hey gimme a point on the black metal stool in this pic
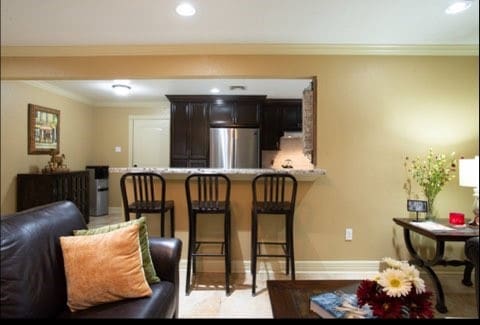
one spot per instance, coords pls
(146, 199)
(207, 194)
(273, 193)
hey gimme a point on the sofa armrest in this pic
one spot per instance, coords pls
(166, 257)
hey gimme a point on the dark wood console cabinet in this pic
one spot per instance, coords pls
(38, 189)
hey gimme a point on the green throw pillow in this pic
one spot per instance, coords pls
(148, 268)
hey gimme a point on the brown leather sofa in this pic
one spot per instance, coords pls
(32, 271)
(471, 252)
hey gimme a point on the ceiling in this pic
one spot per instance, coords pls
(127, 22)
(154, 22)
(100, 92)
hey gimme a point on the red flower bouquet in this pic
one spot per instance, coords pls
(396, 292)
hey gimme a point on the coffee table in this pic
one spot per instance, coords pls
(291, 299)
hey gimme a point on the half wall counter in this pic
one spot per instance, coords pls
(241, 200)
(234, 174)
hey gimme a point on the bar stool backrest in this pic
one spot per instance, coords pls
(207, 191)
(274, 192)
(148, 191)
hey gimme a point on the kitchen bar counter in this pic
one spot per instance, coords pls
(308, 175)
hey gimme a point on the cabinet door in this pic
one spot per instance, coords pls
(271, 127)
(179, 132)
(247, 113)
(197, 163)
(221, 112)
(198, 133)
(292, 116)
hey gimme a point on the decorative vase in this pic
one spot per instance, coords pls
(431, 211)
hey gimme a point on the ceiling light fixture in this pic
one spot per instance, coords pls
(458, 6)
(185, 9)
(121, 90)
(214, 90)
(239, 87)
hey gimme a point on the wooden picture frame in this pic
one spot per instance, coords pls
(43, 130)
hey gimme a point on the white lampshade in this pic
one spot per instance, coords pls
(468, 172)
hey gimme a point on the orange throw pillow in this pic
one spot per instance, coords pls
(103, 268)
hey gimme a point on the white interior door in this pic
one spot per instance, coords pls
(150, 143)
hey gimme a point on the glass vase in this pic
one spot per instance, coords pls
(431, 210)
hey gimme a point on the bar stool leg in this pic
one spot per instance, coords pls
(291, 246)
(254, 251)
(189, 255)
(287, 239)
(227, 251)
(162, 223)
(194, 243)
(172, 222)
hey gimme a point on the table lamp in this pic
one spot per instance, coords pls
(468, 177)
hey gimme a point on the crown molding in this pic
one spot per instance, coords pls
(58, 91)
(239, 49)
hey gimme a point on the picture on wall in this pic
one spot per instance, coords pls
(43, 130)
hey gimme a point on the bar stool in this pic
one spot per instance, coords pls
(208, 194)
(273, 193)
(148, 197)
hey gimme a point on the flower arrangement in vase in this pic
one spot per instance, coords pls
(432, 173)
(396, 292)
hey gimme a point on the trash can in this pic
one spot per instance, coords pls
(98, 192)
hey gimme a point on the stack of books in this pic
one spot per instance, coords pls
(338, 305)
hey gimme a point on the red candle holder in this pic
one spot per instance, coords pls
(457, 218)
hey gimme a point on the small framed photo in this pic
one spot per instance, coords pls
(417, 206)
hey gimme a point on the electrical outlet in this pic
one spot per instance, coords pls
(348, 234)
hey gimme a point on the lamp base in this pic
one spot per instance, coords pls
(475, 221)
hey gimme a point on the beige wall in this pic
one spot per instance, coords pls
(76, 128)
(112, 130)
(372, 112)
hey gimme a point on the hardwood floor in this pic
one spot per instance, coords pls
(208, 299)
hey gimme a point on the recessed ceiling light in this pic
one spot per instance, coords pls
(458, 6)
(121, 90)
(185, 9)
(214, 90)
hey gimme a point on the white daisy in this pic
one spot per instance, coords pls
(392, 263)
(412, 275)
(394, 283)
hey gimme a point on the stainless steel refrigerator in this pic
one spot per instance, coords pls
(234, 148)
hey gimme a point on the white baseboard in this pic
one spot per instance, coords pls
(322, 270)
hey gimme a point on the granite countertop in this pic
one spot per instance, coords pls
(234, 174)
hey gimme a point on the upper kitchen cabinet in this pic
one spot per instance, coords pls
(189, 132)
(280, 115)
(291, 114)
(236, 111)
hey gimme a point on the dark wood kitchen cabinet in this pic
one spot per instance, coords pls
(236, 111)
(280, 115)
(189, 137)
(38, 189)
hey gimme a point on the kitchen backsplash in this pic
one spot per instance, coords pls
(290, 153)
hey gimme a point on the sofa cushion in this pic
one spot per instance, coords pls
(150, 273)
(103, 268)
(161, 304)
